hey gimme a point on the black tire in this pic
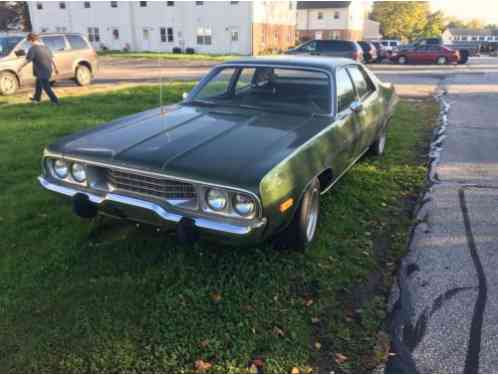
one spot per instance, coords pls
(464, 57)
(302, 230)
(402, 60)
(83, 75)
(378, 147)
(442, 60)
(8, 83)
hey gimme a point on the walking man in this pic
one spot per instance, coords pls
(43, 61)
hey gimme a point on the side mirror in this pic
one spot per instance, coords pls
(20, 53)
(185, 95)
(356, 106)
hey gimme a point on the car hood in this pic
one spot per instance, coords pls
(223, 145)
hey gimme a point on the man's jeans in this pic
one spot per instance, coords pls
(44, 84)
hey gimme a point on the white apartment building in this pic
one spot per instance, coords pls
(216, 27)
(332, 19)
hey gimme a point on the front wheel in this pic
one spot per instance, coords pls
(402, 60)
(302, 230)
(442, 60)
(8, 83)
(83, 75)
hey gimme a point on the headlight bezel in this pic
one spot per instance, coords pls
(229, 210)
(222, 194)
(249, 200)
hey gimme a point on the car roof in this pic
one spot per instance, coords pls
(323, 63)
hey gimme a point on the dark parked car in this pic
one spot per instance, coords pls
(73, 54)
(426, 54)
(333, 48)
(244, 157)
(369, 51)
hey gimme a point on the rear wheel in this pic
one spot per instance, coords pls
(301, 232)
(402, 60)
(464, 57)
(8, 83)
(442, 60)
(83, 75)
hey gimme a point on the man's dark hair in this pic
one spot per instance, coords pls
(32, 37)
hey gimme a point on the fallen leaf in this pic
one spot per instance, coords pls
(216, 297)
(315, 320)
(204, 343)
(318, 346)
(308, 302)
(201, 365)
(295, 370)
(340, 358)
(278, 332)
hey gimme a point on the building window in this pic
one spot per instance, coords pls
(235, 35)
(86, 4)
(170, 3)
(204, 35)
(275, 36)
(320, 15)
(44, 29)
(143, 4)
(39, 6)
(337, 15)
(114, 4)
(199, 3)
(93, 34)
(62, 5)
(145, 33)
(464, 38)
(291, 6)
(60, 29)
(234, 2)
(115, 34)
(167, 34)
(289, 37)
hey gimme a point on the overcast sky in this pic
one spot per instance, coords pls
(486, 10)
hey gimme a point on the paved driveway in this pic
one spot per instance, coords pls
(445, 316)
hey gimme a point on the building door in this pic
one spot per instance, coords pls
(115, 39)
(234, 41)
(146, 44)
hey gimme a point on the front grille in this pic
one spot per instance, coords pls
(157, 187)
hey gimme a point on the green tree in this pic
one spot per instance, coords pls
(435, 25)
(406, 20)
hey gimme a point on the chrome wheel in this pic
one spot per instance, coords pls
(441, 60)
(402, 60)
(8, 84)
(83, 75)
(312, 215)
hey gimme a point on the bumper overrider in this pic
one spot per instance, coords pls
(189, 225)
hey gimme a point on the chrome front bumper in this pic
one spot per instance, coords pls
(140, 210)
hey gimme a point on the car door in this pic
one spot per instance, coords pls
(368, 107)
(26, 75)
(346, 134)
(61, 52)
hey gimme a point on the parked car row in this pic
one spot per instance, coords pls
(380, 51)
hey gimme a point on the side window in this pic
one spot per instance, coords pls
(345, 90)
(245, 79)
(218, 85)
(310, 47)
(76, 42)
(54, 43)
(362, 82)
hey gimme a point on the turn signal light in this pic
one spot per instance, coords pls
(284, 206)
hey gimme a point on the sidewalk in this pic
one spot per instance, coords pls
(445, 313)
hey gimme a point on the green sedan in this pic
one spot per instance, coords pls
(243, 158)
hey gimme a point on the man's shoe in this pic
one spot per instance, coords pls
(33, 100)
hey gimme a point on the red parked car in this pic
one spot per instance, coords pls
(426, 54)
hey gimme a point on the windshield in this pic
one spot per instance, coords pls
(7, 44)
(267, 88)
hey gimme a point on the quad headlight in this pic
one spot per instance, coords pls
(244, 205)
(78, 172)
(216, 199)
(61, 168)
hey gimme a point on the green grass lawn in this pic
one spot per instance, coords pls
(168, 56)
(106, 296)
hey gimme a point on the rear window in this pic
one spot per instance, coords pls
(345, 90)
(336, 46)
(76, 42)
(54, 43)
